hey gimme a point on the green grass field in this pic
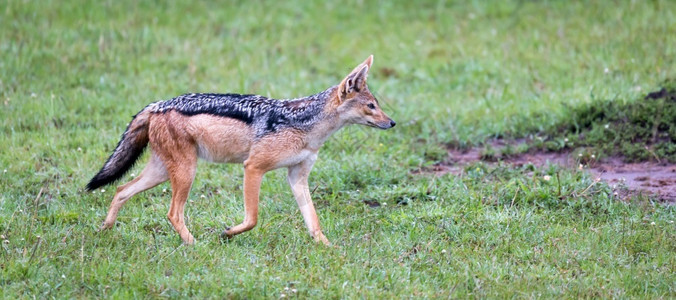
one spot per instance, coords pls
(72, 73)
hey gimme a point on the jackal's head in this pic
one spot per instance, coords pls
(356, 104)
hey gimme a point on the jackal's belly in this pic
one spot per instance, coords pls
(220, 139)
(223, 154)
(295, 158)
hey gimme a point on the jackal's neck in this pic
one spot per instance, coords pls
(328, 121)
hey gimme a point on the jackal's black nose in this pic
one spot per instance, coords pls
(392, 123)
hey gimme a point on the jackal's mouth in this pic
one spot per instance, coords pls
(371, 124)
(374, 125)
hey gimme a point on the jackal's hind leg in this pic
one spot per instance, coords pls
(153, 174)
(182, 175)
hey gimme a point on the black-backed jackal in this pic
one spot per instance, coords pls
(264, 134)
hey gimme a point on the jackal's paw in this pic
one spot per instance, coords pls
(225, 235)
(321, 238)
(105, 226)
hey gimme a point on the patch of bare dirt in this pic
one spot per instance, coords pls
(658, 179)
(627, 179)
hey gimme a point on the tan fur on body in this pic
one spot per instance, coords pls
(177, 140)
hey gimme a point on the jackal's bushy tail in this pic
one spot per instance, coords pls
(129, 149)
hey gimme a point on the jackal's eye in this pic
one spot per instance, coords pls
(371, 106)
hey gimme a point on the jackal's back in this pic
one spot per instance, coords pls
(264, 114)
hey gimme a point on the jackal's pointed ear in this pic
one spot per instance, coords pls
(356, 80)
(368, 61)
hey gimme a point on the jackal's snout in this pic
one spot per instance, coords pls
(386, 123)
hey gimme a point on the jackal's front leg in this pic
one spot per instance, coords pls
(297, 178)
(252, 185)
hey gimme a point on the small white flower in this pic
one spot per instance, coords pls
(63, 276)
(103, 191)
(33, 95)
(164, 190)
(384, 203)
(606, 70)
(579, 154)
(282, 295)
(132, 175)
(652, 223)
(671, 222)
(547, 177)
(443, 251)
(203, 196)
(606, 126)
(581, 166)
(2, 236)
(6, 241)
(593, 156)
(565, 140)
(294, 290)
(4, 171)
(79, 149)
